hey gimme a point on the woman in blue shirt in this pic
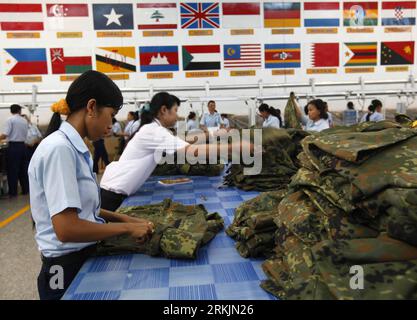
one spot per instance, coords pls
(64, 195)
(271, 116)
(317, 119)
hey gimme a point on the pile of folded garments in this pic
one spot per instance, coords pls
(280, 148)
(180, 230)
(349, 219)
(187, 169)
(253, 226)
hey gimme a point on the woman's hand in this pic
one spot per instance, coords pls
(141, 231)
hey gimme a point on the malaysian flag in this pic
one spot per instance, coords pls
(200, 15)
(242, 56)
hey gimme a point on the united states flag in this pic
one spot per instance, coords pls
(242, 56)
(200, 15)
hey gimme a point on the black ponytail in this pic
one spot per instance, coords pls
(371, 110)
(54, 124)
(150, 112)
(89, 85)
(276, 113)
(272, 111)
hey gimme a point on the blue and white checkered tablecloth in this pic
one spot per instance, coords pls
(218, 273)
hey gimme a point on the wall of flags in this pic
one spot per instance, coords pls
(243, 41)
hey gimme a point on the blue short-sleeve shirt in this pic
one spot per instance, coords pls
(60, 177)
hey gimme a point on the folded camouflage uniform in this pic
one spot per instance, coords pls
(253, 226)
(354, 202)
(208, 170)
(279, 150)
(180, 230)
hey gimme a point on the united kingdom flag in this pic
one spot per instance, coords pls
(200, 15)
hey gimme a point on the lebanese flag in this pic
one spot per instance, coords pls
(70, 60)
(156, 15)
(241, 15)
(68, 17)
(324, 55)
(19, 17)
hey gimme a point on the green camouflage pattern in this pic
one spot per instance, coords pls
(253, 225)
(209, 170)
(180, 231)
(279, 162)
(290, 116)
(352, 202)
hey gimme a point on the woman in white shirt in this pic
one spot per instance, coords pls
(139, 159)
(192, 124)
(374, 112)
(271, 116)
(317, 119)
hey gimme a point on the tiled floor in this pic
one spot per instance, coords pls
(219, 272)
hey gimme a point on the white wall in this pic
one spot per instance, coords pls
(221, 36)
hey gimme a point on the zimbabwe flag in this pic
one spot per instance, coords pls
(360, 54)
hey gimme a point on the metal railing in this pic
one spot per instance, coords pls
(208, 91)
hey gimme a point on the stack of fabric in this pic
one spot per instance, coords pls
(279, 161)
(187, 169)
(253, 226)
(180, 231)
(349, 220)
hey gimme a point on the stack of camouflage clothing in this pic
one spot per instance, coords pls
(352, 204)
(208, 170)
(180, 230)
(279, 161)
(253, 226)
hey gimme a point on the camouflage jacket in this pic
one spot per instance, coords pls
(180, 230)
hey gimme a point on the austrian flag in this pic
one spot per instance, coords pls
(22, 16)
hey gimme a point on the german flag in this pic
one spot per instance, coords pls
(359, 14)
(282, 14)
(360, 54)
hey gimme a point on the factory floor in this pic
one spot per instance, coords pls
(19, 256)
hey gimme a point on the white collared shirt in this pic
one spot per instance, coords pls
(271, 122)
(311, 125)
(16, 128)
(60, 177)
(128, 128)
(140, 158)
(211, 120)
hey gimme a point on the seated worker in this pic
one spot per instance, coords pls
(271, 116)
(226, 122)
(317, 119)
(374, 112)
(64, 194)
(192, 124)
(350, 115)
(331, 122)
(211, 120)
(124, 177)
